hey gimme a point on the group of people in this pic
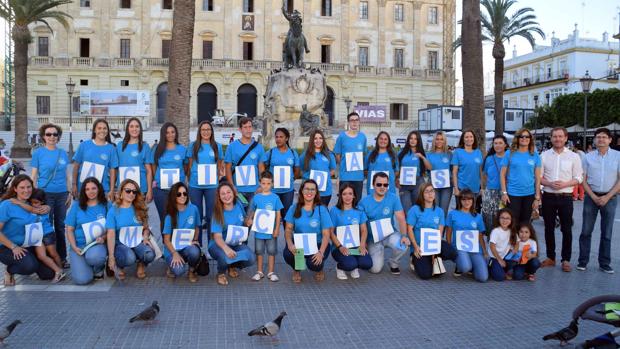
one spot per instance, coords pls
(248, 192)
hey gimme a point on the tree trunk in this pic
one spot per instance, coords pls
(473, 85)
(499, 54)
(21, 37)
(179, 76)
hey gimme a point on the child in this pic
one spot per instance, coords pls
(528, 247)
(266, 200)
(502, 238)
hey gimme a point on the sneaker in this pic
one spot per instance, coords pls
(273, 277)
(606, 269)
(341, 275)
(98, 276)
(58, 277)
(532, 277)
(456, 272)
(548, 263)
(581, 267)
(566, 267)
(395, 271)
(411, 266)
(355, 273)
(259, 275)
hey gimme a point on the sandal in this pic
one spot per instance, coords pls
(259, 275)
(9, 279)
(233, 273)
(170, 274)
(121, 274)
(58, 277)
(532, 277)
(140, 273)
(319, 276)
(273, 277)
(296, 276)
(221, 279)
(191, 275)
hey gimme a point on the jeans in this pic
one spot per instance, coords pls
(287, 202)
(466, 262)
(409, 194)
(289, 258)
(521, 207)
(349, 263)
(376, 250)
(325, 200)
(191, 257)
(442, 198)
(197, 196)
(497, 272)
(160, 197)
(126, 256)
(530, 267)
(358, 188)
(558, 206)
(590, 211)
(58, 212)
(25, 266)
(424, 265)
(218, 254)
(271, 245)
(84, 268)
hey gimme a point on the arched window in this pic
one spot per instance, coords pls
(162, 97)
(246, 100)
(207, 102)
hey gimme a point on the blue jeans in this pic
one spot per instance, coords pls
(376, 250)
(409, 194)
(25, 266)
(424, 265)
(58, 212)
(442, 198)
(287, 201)
(590, 212)
(160, 196)
(466, 262)
(191, 256)
(271, 245)
(325, 200)
(126, 256)
(497, 272)
(218, 254)
(349, 263)
(197, 196)
(530, 267)
(84, 268)
(289, 258)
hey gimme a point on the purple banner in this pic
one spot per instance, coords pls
(371, 113)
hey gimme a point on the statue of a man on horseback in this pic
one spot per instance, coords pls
(295, 43)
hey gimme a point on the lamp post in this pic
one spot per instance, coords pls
(347, 102)
(535, 119)
(70, 88)
(586, 84)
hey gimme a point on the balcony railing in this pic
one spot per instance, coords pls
(123, 62)
(41, 60)
(433, 74)
(364, 69)
(561, 75)
(401, 72)
(83, 61)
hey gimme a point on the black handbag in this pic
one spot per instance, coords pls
(202, 268)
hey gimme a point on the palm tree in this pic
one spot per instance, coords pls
(179, 76)
(21, 13)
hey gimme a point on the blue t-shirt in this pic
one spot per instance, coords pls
(439, 161)
(234, 152)
(459, 220)
(236, 216)
(98, 154)
(492, 168)
(310, 222)
(353, 216)
(206, 156)
(430, 218)
(382, 163)
(270, 202)
(289, 158)
(48, 163)
(520, 179)
(47, 225)
(319, 163)
(186, 219)
(411, 160)
(376, 210)
(469, 164)
(347, 144)
(170, 159)
(15, 219)
(76, 217)
(119, 217)
(133, 157)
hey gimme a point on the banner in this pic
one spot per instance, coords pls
(115, 103)
(371, 113)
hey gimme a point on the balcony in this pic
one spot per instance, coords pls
(123, 62)
(83, 61)
(330, 67)
(537, 79)
(400, 72)
(433, 74)
(41, 60)
(155, 62)
(365, 70)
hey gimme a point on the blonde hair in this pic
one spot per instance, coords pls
(139, 205)
(515, 142)
(445, 143)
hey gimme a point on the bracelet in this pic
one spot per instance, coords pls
(339, 246)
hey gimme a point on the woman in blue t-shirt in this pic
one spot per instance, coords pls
(382, 158)
(353, 143)
(88, 211)
(275, 161)
(229, 236)
(182, 250)
(307, 217)
(440, 158)
(491, 189)
(412, 159)
(134, 158)
(467, 164)
(318, 158)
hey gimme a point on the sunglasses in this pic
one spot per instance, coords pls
(309, 190)
(51, 135)
(181, 193)
(130, 191)
(524, 137)
(384, 185)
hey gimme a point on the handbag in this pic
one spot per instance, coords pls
(202, 268)
(438, 267)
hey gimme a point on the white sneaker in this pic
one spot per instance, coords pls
(273, 277)
(341, 275)
(355, 273)
(411, 266)
(259, 275)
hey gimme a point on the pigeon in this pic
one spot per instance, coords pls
(564, 335)
(269, 329)
(147, 314)
(6, 332)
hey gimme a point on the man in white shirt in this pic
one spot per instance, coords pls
(561, 171)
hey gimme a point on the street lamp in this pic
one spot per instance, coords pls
(535, 119)
(347, 102)
(586, 84)
(70, 88)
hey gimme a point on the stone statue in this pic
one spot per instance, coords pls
(308, 121)
(295, 43)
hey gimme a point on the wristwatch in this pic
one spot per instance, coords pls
(504, 193)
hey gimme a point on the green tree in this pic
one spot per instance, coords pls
(21, 13)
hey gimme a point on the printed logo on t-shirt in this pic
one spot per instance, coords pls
(359, 147)
(530, 162)
(355, 221)
(314, 223)
(290, 161)
(99, 216)
(253, 156)
(240, 217)
(477, 160)
(474, 225)
(190, 220)
(269, 207)
(445, 160)
(211, 153)
(388, 159)
(323, 158)
(62, 162)
(135, 153)
(177, 157)
(103, 156)
(436, 220)
(386, 210)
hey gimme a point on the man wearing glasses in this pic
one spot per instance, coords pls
(381, 208)
(350, 151)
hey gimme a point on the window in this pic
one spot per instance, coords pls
(399, 13)
(432, 15)
(75, 104)
(44, 46)
(398, 111)
(364, 10)
(83, 82)
(326, 8)
(166, 4)
(125, 4)
(289, 6)
(456, 114)
(248, 48)
(363, 103)
(125, 48)
(510, 116)
(165, 48)
(84, 3)
(207, 49)
(432, 60)
(43, 105)
(325, 54)
(248, 5)
(124, 83)
(84, 47)
(399, 58)
(363, 56)
(207, 5)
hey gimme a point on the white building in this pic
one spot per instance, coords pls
(536, 78)
(450, 118)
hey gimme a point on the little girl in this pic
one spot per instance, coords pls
(502, 238)
(528, 248)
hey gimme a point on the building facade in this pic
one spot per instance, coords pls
(392, 53)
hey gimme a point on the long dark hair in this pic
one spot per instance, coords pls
(107, 137)
(420, 201)
(161, 146)
(310, 151)
(11, 193)
(467, 194)
(128, 137)
(375, 152)
(462, 140)
(218, 208)
(492, 150)
(171, 207)
(83, 199)
(513, 224)
(300, 198)
(419, 148)
(198, 142)
(340, 204)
